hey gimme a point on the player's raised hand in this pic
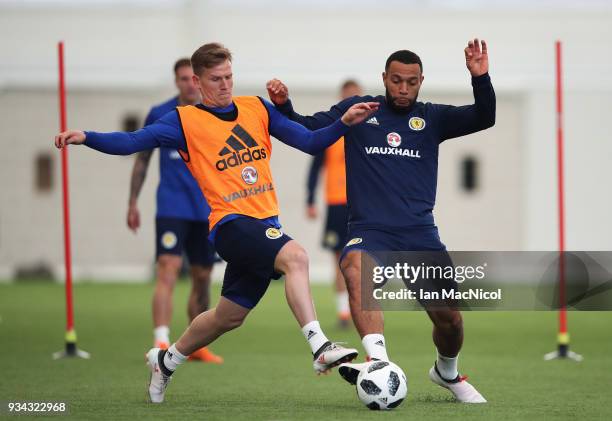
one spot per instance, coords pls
(359, 112)
(277, 91)
(69, 137)
(133, 218)
(476, 57)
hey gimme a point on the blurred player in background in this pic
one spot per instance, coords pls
(336, 220)
(181, 222)
(391, 170)
(226, 144)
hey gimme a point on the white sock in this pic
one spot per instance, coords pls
(162, 334)
(342, 302)
(314, 335)
(375, 346)
(173, 358)
(447, 367)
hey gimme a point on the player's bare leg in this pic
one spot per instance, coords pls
(199, 302)
(366, 322)
(342, 301)
(203, 330)
(199, 296)
(211, 324)
(448, 338)
(447, 331)
(369, 324)
(292, 261)
(168, 267)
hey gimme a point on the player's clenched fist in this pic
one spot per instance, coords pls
(359, 112)
(69, 137)
(277, 91)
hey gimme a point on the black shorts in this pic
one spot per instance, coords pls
(334, 237)
(175, 236)
(249, 246)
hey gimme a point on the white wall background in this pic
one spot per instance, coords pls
(119, 57)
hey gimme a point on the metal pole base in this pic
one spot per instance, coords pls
(563, 352)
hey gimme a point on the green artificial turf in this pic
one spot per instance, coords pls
(268, 373)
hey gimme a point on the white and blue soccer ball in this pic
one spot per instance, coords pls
(382, 385)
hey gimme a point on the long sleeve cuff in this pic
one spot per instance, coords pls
(286, 108)
(482, 80)
(339, 129)
(92, 139)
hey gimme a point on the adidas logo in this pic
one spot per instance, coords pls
(239, 150)
(373, 121)
(383, 400)
(311, 334)
(379, 342)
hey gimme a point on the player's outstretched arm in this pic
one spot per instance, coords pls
(279, 95)
(313, 142)
(115, 143)
(165, 132)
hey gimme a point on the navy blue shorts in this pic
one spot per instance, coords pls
(336, 227)
(396, 239)
(249, 246)
(377, 243)
(177, 236)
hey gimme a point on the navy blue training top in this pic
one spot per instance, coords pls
(392, 158)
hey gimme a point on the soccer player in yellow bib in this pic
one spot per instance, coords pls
(181, 222)
(225, 142)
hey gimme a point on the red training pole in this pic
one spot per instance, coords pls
(563, 337)
(561, 191)
(65, 193)
(71, 338)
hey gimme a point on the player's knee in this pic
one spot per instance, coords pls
(168, 268)
(351, 270)
(229, 322)
(200, 283)
(294, 259)
(165, 281)
(200, 275)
